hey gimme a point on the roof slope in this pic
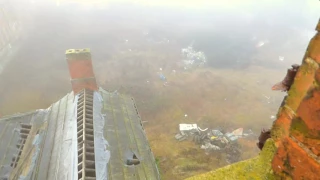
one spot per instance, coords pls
(126, 137)
(92, 135)
(44, 145)
(9, 138)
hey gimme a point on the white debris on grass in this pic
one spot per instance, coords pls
(192, 57)
(281, 58)
(238, 132)
(187, 129)
(267, 97)
(261, 43)
(209, 146)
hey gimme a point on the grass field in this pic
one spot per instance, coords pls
(211, 97)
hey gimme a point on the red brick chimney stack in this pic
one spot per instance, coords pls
(81, 71)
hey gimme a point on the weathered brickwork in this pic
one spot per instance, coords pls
(297, 130)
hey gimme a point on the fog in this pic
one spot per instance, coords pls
(248, 47)
(284, 27)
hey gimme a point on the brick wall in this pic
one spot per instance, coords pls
(297, 129)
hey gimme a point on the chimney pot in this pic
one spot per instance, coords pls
(81, 70)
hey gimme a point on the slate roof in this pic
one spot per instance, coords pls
(125, 134)
(91, 135)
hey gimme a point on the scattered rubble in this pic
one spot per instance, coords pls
(214, 140)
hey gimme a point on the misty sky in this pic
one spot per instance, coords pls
(281, 28)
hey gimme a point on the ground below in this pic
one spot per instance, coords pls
(227, 98)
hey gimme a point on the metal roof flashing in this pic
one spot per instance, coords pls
(102, 154)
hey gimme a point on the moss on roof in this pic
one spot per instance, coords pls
(255, 168)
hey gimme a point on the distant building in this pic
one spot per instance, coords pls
(88, 134)
(9, 25)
